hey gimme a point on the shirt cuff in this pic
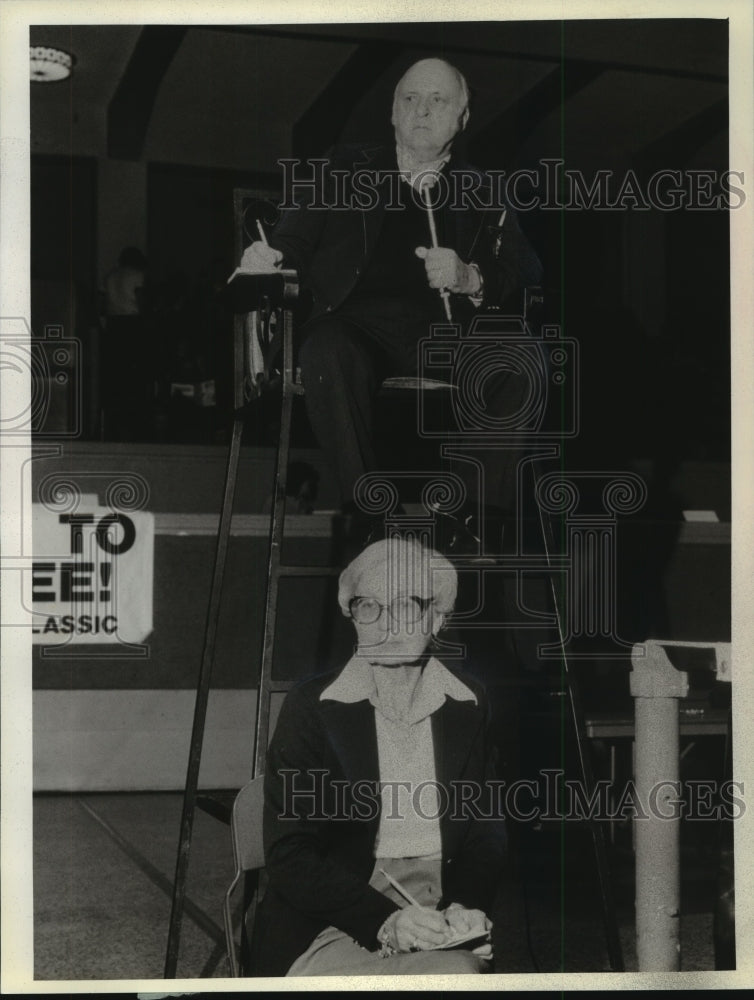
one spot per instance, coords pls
(478, 296)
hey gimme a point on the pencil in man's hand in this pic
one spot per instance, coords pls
(262, 234)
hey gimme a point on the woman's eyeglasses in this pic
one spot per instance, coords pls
(403, 610)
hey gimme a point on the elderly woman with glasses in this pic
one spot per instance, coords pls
(382, 842)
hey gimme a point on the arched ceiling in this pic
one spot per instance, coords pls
(602, 94)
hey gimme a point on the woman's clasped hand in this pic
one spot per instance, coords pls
(421, 928)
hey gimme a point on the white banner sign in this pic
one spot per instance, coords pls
(92, 575)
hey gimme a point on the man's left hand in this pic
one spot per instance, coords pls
(445, 269)
(461, 921)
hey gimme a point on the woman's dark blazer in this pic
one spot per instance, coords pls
(321, 819)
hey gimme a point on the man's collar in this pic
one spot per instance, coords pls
(356, 682)
(413, 169)
(384, 157)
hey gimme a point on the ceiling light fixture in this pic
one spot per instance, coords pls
(49, 65)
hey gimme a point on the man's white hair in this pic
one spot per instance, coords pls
(404, 562)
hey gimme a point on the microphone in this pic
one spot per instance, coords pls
(444, 293)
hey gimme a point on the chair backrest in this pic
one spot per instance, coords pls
(248, 855)
(246, 826)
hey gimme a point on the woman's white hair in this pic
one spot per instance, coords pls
(405, 563)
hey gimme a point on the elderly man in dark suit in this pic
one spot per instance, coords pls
(362, 247)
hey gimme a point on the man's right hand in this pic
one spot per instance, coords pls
(258, 257)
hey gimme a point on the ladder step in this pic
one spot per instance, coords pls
(220, 806)
(308, 570)
(279, 687)
(527, 563)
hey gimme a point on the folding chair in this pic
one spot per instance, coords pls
(248, 856)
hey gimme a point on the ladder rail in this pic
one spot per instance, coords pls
(261, 734)
(200, 705)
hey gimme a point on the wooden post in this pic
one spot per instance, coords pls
(656, 686)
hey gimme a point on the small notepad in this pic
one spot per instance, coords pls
(473, 938)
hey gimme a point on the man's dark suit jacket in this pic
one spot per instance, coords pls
(329, 248)
(321, 857)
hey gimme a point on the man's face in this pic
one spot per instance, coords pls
(428, 109)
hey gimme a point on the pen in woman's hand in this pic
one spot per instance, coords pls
(404, 892)
(399, 888)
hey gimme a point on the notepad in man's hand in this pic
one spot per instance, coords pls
(473, 939)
